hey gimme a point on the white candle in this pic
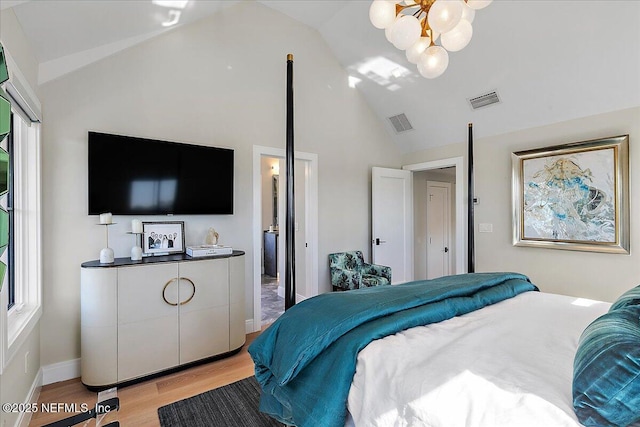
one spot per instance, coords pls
(106, 218)
(136, 226)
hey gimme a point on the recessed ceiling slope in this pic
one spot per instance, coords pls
(550, 61)
(86, 31)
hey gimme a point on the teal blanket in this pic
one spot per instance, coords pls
(305, 361)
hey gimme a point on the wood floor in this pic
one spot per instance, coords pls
(139, 403)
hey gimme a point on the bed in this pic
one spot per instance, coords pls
(488, 355)
(509, 364)
(478, 349)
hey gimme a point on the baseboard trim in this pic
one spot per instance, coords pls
(61, 371)
(299, 298)
(249, 325)
(32, 399)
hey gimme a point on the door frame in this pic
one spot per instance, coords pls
(461, 203)
(311, 202)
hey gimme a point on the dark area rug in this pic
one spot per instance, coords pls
(234, 405)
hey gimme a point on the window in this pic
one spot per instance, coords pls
(23, 256)
(9, 205)
(21, 304)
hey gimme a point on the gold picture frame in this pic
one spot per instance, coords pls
(573, 196)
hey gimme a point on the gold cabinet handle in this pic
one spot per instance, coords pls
(193, 285)
(164, 290)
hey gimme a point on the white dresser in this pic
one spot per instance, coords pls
(142, 318)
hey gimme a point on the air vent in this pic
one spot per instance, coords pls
(484, 100)
(400, 123)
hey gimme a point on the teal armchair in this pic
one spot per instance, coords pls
(349, 271)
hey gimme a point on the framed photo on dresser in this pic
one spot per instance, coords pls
(163, 237)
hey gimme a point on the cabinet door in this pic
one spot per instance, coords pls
(99, 326)
(204, 309)
(147, 324)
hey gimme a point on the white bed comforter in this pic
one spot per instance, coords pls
(506, 365)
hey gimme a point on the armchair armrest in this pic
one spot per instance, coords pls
(345, 279)
(378, 270)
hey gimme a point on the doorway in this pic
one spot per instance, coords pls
(438, 231)
(446, 170)
(269, 231)
(271, 303)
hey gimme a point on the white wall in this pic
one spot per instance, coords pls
(585, 274)
(221, 82)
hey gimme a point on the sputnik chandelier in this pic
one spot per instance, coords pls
(415, 26)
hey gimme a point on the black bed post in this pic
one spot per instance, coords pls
(471, 267)
(290, 255)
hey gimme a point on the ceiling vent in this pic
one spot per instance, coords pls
(484, 100)
(400, 123)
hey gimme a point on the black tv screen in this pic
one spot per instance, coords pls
(138, 176)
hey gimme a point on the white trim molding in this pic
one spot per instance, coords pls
(61, 371)
(461, 203)
(32, 399)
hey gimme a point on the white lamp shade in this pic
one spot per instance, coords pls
(416, 49)
(405, 31)
(444, 15)
(433, 62)
(468, 13)
(382, 13)
(478, 4)
(458, 38)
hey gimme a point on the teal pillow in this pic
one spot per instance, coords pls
(631, 297)
(606, 370)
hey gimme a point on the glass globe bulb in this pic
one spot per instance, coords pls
(468, 14)
(458, 38)
(388, 33)
(444, 15)
(405, 31)
(416, 49)
(382, 13)
(433, 62)
(478, 4)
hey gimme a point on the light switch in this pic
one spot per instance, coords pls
(485, 228)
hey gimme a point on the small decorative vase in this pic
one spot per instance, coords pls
(136, 253)
(106, 256)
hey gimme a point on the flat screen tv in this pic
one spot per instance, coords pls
(138, 176)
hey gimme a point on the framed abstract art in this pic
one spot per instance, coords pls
(573, 196)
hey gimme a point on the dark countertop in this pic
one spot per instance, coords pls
(124, 262)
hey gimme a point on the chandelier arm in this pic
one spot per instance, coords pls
(426, 30)
(400, 8)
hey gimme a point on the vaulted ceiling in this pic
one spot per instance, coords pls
(548, 61)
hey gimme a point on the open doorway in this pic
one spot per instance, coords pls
(272, 304)
(269, 231)
(440, 173)
(434, 222)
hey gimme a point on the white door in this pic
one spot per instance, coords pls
(392, 222)
(438, 229)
